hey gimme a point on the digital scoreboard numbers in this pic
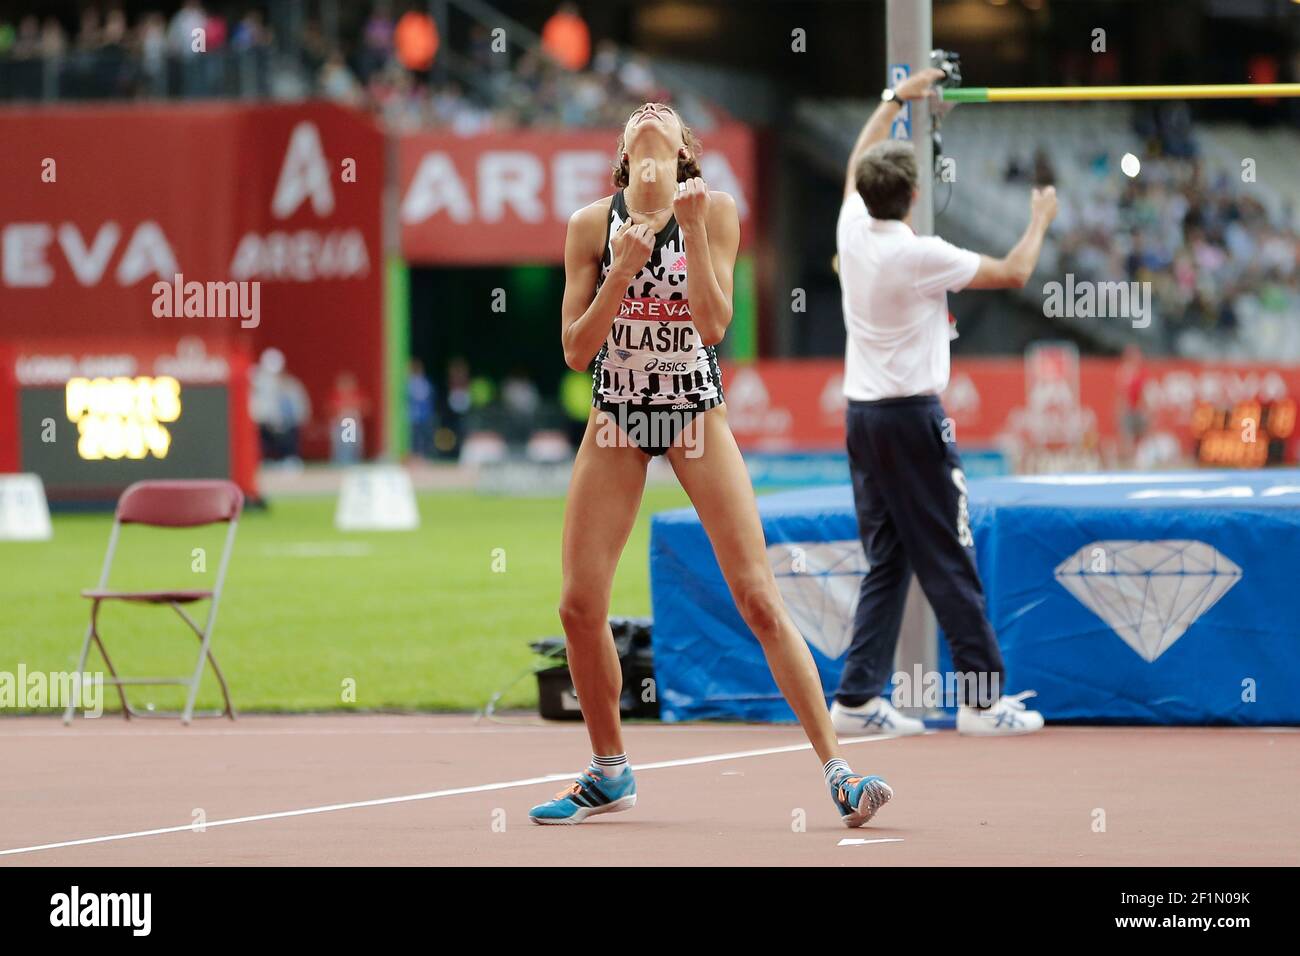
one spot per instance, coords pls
(91, 437)
(94, 416)
(123, 417)
(1250, 434)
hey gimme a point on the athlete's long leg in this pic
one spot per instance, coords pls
(604, 495)
(719, 487)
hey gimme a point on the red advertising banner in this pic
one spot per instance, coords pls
(255, 224)
(799, 406)
(507, 197)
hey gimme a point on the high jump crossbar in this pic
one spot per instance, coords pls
(1059, 94)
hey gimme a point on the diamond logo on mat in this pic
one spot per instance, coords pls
(819, 583)
(1149, 592)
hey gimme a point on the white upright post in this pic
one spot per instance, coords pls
(907, 28)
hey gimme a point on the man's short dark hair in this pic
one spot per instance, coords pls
(886, 178)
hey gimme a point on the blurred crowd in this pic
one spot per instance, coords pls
(281, 408)
(530, 90)
(1210, 247)
(489, 85)
(109, 56)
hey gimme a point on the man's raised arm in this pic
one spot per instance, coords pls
(877, 128)
(1013, 270)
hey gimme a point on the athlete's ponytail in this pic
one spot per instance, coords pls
(686, 168)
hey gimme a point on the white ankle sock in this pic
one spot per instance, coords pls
(610, 766)
(835, 766)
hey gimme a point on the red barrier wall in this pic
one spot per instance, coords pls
(798, 405)
(102, 202)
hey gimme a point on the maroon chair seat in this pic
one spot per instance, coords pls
(147, 597)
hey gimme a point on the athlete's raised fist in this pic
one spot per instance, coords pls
(633, 244)
(691, 204)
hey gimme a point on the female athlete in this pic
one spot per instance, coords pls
(648, 285)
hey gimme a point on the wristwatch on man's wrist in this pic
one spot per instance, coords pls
(890, 96)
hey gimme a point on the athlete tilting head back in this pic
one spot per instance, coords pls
(654, 361)
(647, 297)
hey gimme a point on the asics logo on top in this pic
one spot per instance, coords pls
(658, 365)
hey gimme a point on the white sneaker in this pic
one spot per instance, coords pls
(1005, 718)
(876, 716)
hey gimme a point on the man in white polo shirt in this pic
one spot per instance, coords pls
(908, 486)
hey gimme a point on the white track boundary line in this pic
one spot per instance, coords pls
(430, 795)
(206, 734)
(192, 733)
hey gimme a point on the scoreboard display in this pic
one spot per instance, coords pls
(92, 421)
(1250, 434)
(123, 417)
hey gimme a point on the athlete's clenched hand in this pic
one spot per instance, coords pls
(633, 244)
(691, 204)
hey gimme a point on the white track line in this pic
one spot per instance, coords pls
(856, 842)
(183, 734)
(188, 733)
(431, 795)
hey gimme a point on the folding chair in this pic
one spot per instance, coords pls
(168, 504)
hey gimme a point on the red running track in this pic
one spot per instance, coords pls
(449, 790)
